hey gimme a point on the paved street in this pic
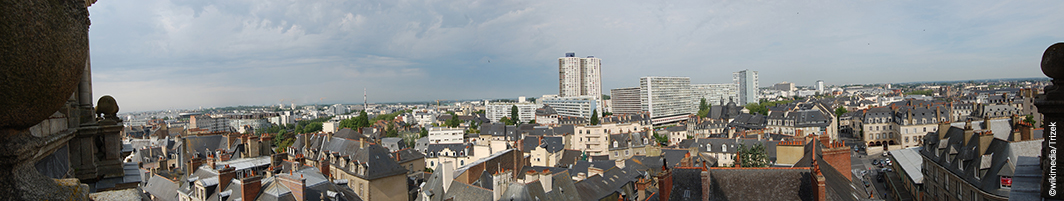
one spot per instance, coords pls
(861, 163)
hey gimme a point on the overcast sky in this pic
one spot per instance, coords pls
(160, 54)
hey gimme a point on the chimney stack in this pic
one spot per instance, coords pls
(250, 187)
(225, 176)
(298, 185)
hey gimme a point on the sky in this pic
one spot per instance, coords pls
(186, 54)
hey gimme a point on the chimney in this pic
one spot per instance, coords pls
(193, 164)
(592, 171)
(943, 127)
(298, 185)
(706, 183)
(324, 166)
(820, 193)
(580, 176)
(546, 179)
(984, 141)
(225, 176)
(619, 163)
(446, 172)
(250, 187)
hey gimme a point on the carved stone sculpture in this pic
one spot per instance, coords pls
(43, 46)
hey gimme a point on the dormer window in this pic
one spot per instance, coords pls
(614, 144)
(724, 148)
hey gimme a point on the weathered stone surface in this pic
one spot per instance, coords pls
(20, 180)
(107, 106)
(1053, 61)
(43, 50)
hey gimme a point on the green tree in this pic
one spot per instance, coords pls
(605, 97)
(840, 111)
(312, 127)
(514, 114)
(661, 139)
(753, 156)
(532, 121)
(1029, 119)
(454, 121)
(594, 117)
(703, 108)
(424, 133)
(363, 119)
(606, 114)
(506, 120)
(703, 105)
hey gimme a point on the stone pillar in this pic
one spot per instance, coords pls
(1051, 105)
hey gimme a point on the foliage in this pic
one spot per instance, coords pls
(661, 139)
(479, 112)
(389, 116)
(703, 108)
(312, 127)
(514, 114)
(1029, 119)
(532, 121)
(605, 97)
(594, 117)
(762, 108)
(454, 121)
(607, 113)
(920, 92)
(840, 111)
(390, 130)
(360, 121)
(754, 156)
(429, 170)
(424, 133)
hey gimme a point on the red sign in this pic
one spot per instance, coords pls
(1006, 181)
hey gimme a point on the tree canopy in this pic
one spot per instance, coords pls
(594, 117)
(703, 108)
(753, 156)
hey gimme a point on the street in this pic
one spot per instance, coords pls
(863, 170)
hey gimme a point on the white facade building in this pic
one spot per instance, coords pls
(577, 106)
(713, 93)
(442, 135)
(667, 99)
(525, 111)
(746, 80)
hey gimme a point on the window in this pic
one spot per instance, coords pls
(1006, 182)
(724, 148)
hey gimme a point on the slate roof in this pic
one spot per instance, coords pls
(161, 188)
(774, 184)
(687, 184)
(533, 191)
(966, 162)
(749, 121)
(407, 155)
(569, 157)
(552, 144)
(463, 191)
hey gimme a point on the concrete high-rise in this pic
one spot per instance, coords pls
(746, 80)
(667, 99)
(820, 86)
(713, 93)
(579, 76)
(625, 100)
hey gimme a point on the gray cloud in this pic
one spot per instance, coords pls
(159, 54)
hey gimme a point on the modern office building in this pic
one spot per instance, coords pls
(625, 100)
(746, 80)
(580, 77)
(575, 106)
(667, 99)
(713, 93)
